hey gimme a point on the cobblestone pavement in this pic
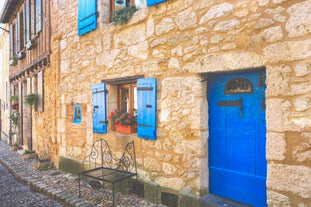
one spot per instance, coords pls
(62, 187)
(15, 194)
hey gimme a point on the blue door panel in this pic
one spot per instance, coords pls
(237, 160)
(230, 182)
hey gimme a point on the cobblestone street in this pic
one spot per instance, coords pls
(55, 184)
(14, 194)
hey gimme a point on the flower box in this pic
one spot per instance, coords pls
(125, 129)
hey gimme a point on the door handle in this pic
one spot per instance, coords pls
(232, 103)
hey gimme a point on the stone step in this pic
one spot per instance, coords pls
(217, 201)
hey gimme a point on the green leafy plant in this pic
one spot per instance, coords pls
(125, 119)
(13, 61)
(123, 15)
(13, 98)
(14, 118)
(31, 99)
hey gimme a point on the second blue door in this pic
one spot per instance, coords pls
(237, 158)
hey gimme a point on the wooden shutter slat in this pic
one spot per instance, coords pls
(99, 108)
(154, 2)
(87, 16)
(146, 108)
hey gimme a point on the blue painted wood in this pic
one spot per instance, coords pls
(87, 13)
(154, 2)
(237, 157)
(146, 108)
(77, 114)
(99, 108)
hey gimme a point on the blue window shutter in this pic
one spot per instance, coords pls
(87, 13)
(153, 2)
(99, 108)
(147, 108)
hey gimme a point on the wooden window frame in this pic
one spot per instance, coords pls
(113, 7)
(130, 87)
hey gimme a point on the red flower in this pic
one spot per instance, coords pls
(15, 106)
(118, 117)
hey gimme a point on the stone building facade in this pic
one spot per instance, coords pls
(179, 42)
(182, 44)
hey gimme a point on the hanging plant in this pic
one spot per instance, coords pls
(31, 99)
(14, 118)
(13, 98)
(13, 61)
(123, 15)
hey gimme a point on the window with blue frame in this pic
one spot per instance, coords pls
(77, 114)
(138, 97)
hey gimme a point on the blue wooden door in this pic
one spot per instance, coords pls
(237, 139)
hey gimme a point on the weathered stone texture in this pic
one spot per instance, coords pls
(290, 178)
(276, 146)
(291, 51)
(177, 42)
(299, 22)
(276, 199)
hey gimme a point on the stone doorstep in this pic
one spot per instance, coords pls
(217, 201)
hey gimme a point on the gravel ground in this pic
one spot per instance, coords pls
(69, 182)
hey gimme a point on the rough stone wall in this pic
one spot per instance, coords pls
(175, 42)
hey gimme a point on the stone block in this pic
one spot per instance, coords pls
(291, 51)
(290, 178)
(189, 201)
(275, 199)
(152, 192)
(217, 11)
(69, 166)
(299, 22)
(276, 146)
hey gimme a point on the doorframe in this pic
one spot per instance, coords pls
(206, 181)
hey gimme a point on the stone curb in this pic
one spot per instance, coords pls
(61, 196)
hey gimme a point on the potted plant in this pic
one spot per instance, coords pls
(124, 122)
(14, 101)
(14, 118)
(123, 15)
(13, 60)
(31, 99)
(29, 154)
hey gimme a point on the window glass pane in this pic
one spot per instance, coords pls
(119, 4)
(238, 85)
(139, 3)
(124, 100)
(135, 98)
(77, 114)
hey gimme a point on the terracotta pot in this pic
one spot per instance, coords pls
(125, 129)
